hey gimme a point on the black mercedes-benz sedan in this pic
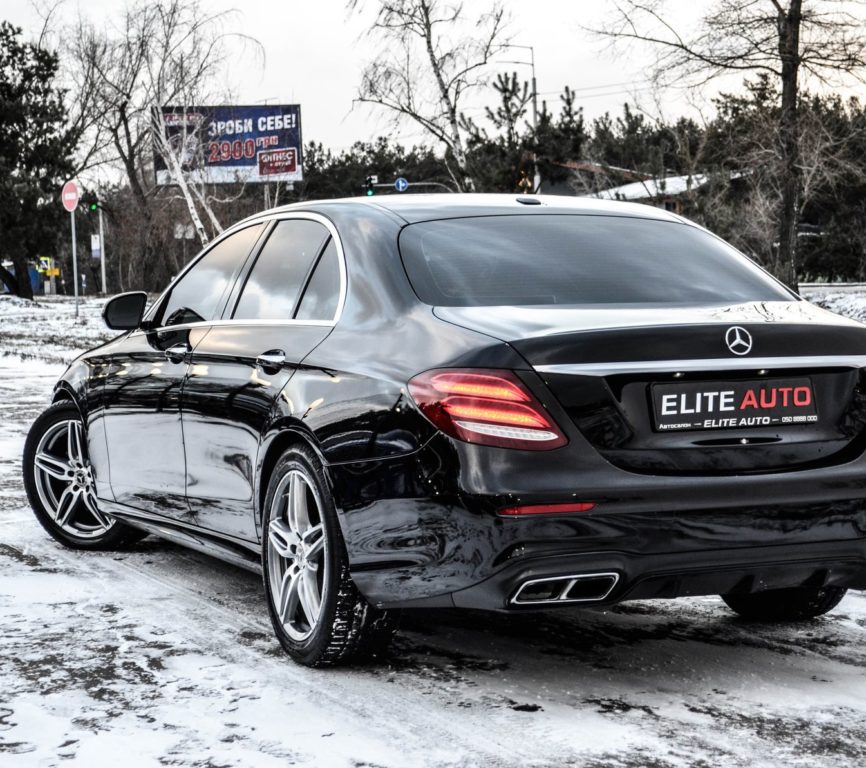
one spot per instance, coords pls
(491, 402)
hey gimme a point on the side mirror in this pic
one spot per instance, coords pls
(124, 312)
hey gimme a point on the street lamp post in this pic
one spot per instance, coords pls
(536, 182)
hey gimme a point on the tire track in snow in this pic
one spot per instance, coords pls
(354, 692)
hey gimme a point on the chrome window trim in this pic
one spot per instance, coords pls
(265, 219)
(240, 323)
(710, 364)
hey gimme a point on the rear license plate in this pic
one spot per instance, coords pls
(733, 405)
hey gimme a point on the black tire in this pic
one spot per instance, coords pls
(347, 629)
(83, 528)
(781, 605)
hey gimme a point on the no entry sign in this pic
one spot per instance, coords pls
(69, 196)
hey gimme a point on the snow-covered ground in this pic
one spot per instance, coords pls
(848, 301)
(48, 329)
(158, 656)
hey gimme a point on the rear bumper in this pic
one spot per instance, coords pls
(423, 530)
(459, 559)
(738, 571)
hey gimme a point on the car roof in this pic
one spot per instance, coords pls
(412, 208)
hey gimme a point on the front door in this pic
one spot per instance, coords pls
(142, 383)
(144, 376)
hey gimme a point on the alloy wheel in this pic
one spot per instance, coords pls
(297, 551)
(64, 481)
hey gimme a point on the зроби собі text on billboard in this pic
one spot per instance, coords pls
(231, 144)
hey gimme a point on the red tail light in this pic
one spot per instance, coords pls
(488, 407)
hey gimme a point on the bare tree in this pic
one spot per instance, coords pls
(188, 191)
(426, 67)
(153, 53)
(788, 40)
(746, 172)
(159, 53)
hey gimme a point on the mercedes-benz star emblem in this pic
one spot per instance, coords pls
(739, 340)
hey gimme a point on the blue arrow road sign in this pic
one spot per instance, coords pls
(401, 185)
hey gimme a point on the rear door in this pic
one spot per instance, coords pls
(281, 309)
(144, 376)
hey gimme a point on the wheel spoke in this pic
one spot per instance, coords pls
(298, 516)
(75, 441)
(314, 541)
(90, 502)
(308, 592)
(280, 537)
(65, 505)
(56, 467)
(288, 602)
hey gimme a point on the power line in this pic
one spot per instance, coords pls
(624, 92)
(602, 87)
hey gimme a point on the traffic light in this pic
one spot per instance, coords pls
(89, 202)
(370, 185)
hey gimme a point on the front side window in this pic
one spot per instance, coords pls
(281, 270)
(583, 260)
(198, 294)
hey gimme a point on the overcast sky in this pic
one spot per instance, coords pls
(315, 50)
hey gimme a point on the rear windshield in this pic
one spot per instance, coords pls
(576, 259)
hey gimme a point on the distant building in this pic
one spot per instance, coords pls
(592, 179)
(667, 193)
(585, 177)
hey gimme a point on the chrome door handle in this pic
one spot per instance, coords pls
(272, 360)
(177, 353)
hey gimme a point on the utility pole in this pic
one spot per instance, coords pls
(536, 182)
(102, 251)
(74, 262)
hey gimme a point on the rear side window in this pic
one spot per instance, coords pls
(197, 295)
(577, 260)
(274, 285)
(322, 295)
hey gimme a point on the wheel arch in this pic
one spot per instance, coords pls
(63, 391)
(281, 438)
(65, 394)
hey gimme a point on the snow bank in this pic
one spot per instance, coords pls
(849, 303)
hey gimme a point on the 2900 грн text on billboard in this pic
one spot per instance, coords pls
(226, 145)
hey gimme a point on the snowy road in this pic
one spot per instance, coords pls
(160, 656)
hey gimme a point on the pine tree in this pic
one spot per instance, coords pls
(35, 151)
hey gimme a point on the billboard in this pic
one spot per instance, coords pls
(226, 145)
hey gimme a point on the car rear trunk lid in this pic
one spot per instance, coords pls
(616, 370)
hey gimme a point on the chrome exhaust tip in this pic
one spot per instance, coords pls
(577, 588)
